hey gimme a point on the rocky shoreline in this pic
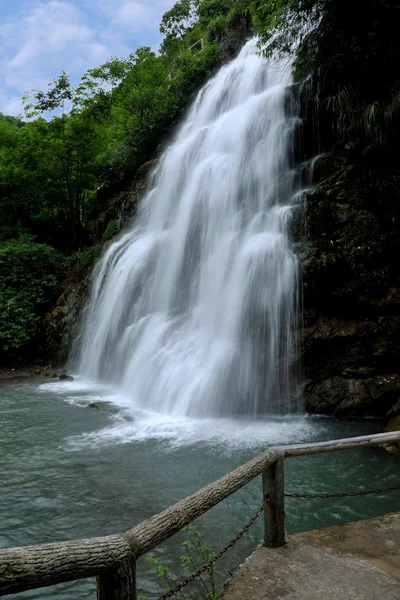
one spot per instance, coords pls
(32, 372)
(43, 373)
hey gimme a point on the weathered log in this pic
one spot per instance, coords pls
(148, 534)
(274, 512)
(119, 584)
(338, 445)
(31, 567)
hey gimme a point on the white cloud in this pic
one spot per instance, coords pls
(137, 19)
(50, 36)
(36, 47)
(11, 105)
(133, 13)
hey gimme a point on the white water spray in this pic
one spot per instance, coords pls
(194, 311)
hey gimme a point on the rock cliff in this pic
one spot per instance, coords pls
(351, 290)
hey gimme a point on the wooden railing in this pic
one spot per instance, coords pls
(112, 559)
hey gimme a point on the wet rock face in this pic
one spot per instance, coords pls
(351, 397)
(351, 289)
(393, 425)
(61, 324)
(350, 364)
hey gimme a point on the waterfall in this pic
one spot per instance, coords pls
(193, 312)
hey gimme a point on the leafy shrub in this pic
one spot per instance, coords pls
(196, 554)
(30, 274)
(217, 28)
(209, 9)
(83, 259)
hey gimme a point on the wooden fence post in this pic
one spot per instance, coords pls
(274, 511)
(119, 584)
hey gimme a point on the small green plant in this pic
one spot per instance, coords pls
(83, 259)
(111, 230)
(196, 554)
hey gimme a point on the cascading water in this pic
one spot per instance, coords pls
(193, 311)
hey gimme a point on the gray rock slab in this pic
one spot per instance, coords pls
(356, 561)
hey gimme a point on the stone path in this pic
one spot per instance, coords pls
(357, 561)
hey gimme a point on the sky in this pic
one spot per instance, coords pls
(41, 38)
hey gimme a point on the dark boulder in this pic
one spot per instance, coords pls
(66, 377)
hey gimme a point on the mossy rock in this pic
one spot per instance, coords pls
(394, 424)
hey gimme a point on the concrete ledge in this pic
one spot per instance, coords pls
(356, 561)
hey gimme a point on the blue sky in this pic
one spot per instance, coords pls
(40, 38)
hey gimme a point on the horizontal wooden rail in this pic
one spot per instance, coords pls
(361, 441)
(29, 567)
(112, 558)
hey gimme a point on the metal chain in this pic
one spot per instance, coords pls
(344, 494)
(237, 537)
(212, 560)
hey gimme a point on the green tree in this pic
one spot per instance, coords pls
(59, 91)
(176, 21)
(29, 276)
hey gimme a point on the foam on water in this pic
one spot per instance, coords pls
(129, 423)
(231, 434)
